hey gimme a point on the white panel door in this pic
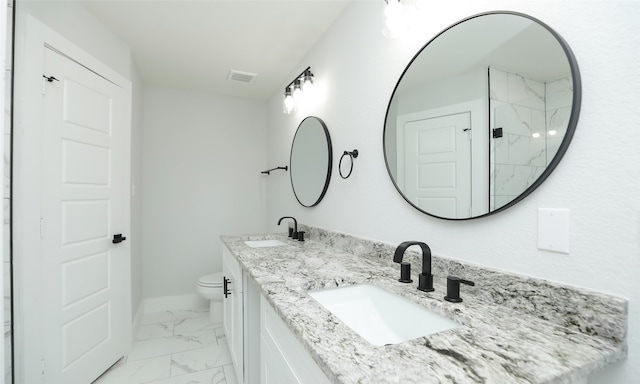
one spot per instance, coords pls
(83, 193)
(437, 164)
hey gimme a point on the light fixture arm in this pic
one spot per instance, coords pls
(300, 77)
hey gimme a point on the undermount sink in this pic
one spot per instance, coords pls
(264, 243)
(379, 316)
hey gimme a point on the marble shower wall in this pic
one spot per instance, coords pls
(533, 116)
(6, 262)
(558, 103)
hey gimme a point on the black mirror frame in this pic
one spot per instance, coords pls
(329, 163)
(564, 145)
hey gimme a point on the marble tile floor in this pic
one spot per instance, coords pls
(175, 347)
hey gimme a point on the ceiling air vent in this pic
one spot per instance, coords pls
(243, 77)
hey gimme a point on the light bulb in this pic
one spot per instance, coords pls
(536, 135)
(393, 9)
(297, 92)
(553, 132)
(307, 85)
(394, 23)
(289, 103)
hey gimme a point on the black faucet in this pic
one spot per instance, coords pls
(292, 232)
(425, 282)
(453, 288)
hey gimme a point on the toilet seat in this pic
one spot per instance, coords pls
(213, 280)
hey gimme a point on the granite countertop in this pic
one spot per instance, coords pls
(496, 343)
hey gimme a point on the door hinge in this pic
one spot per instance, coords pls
(42, 366)
(46, 79)
(468, 131)
(497, 133)
(41, 227)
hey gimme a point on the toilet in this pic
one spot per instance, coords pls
(210, 287)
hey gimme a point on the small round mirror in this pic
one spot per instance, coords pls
(481, 115)
(311, 161)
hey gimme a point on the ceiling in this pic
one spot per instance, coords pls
(189, 44)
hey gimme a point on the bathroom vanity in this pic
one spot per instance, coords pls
(511, 329)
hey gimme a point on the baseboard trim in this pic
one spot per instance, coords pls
(172, 303)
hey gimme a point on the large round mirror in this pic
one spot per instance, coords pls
(311, 160)
(481, 115)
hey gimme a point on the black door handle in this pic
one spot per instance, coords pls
(118, 238)
(225, 283)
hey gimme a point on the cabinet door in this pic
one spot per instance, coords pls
(283, 359)
(273, 369)
(251, 302)
(237, 337)
(233, 313)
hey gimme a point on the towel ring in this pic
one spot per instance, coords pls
(352, 155)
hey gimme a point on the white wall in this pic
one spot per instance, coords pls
(598, 179)
(202, 157)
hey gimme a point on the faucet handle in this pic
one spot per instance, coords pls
(453, 288)
(405, 272)
(425, 282)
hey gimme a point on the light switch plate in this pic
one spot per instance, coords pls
(553, 230)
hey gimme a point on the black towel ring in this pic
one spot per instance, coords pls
(352, 155)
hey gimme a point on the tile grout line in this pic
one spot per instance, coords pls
(173, 334)
(171, 358)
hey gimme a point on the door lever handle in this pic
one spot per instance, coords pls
(118, 238)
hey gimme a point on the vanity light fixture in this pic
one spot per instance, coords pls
(297, 90)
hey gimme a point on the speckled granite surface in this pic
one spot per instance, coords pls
(514, 329)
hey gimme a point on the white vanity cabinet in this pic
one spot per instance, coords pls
(263, 349)
(283, 359)
(233, 312)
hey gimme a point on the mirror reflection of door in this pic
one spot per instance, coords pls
(435, 154)
(514, 73)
